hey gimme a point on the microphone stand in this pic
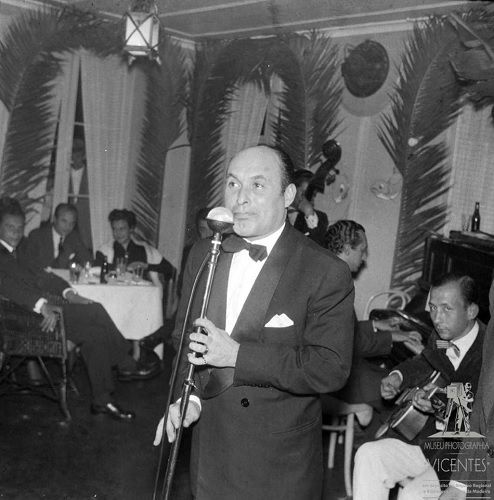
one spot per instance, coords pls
(188, 383)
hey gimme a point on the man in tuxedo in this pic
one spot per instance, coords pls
(87, 324)
(455, 350)
(301, 214)
(373, 338)
(55, 245)
(278, 333)
(482, 422)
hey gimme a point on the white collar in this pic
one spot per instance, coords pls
(464, 343)
(268, 241)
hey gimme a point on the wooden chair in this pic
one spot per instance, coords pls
(21, 338)
(390, 299)
(341, 430)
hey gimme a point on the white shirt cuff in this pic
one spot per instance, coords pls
(459, 486)
(39, 304)
(67, 290)
(192, 398)
(398, 373)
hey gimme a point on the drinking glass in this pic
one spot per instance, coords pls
(121, 267)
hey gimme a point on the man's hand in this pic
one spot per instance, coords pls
(452, 493)
(217, 347)
(192, 415)
(421, 402)
(50, 317)
(74, 298)
(305, 206)
(390, 386)
(387, 325)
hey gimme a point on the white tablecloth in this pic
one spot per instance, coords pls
(137, 310)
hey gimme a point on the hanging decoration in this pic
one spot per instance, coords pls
(142, 30)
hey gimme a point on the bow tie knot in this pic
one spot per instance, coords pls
(234, 244)
(447, 344)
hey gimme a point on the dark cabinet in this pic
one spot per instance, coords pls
(461, 254)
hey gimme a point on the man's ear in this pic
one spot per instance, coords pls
(289, 194)
(346, 249)
(472, 311)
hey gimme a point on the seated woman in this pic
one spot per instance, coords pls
(126, 245)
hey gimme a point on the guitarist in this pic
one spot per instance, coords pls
(380, 465)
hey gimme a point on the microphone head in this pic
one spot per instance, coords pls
(220, 220)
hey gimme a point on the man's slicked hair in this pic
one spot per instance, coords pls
(10, 206)
(343, 232)
(65, 207)
(468, 287)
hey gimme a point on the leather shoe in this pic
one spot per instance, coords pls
(114, 411)
(140, 372)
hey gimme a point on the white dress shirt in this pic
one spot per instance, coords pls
(56, 241)
(243, 273)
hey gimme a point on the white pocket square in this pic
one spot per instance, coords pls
(279, 321)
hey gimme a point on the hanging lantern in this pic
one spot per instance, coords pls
(142, 28)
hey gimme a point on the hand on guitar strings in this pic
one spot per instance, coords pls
(421, 402)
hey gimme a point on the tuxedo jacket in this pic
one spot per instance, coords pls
(259, 435)
(482, 422)
(37, 251)
(319, 232)
(23, 285)
(364, 382)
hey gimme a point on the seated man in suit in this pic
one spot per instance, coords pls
(301, 214)
(55, 245)
(455, 350)
(347, 239)
(87, 324)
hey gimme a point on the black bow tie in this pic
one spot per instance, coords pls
(234, 243)
(446, 344)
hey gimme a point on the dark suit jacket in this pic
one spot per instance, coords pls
(25, 286)
(261, 436)
(318, 233)
(37, 251)
(364, 382)
(482, 421)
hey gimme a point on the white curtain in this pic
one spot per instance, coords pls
(67, 90)
(108, 95)
(244, 123)
(473, 171)
(273, 110)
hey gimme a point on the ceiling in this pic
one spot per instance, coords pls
(193, 19)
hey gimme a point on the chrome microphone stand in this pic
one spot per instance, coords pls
(219, 227)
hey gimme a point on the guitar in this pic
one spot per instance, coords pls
(408, 420)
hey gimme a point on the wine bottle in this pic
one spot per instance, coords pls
(476, 218)
(104, 270)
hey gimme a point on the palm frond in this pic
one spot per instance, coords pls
(28, 68)
(162, 126)
(219, 67)
(312, 97)
(424, 104)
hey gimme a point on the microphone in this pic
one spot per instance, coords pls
(220, 220)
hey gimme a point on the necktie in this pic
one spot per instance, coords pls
(234, 243)
(447, 344)
(60, 245)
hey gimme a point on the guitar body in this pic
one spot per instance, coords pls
(406, 419)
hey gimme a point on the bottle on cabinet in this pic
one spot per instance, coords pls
(476, 218)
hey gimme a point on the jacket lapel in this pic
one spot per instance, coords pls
(253, 315)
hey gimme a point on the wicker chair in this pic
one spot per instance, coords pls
(21, 338)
